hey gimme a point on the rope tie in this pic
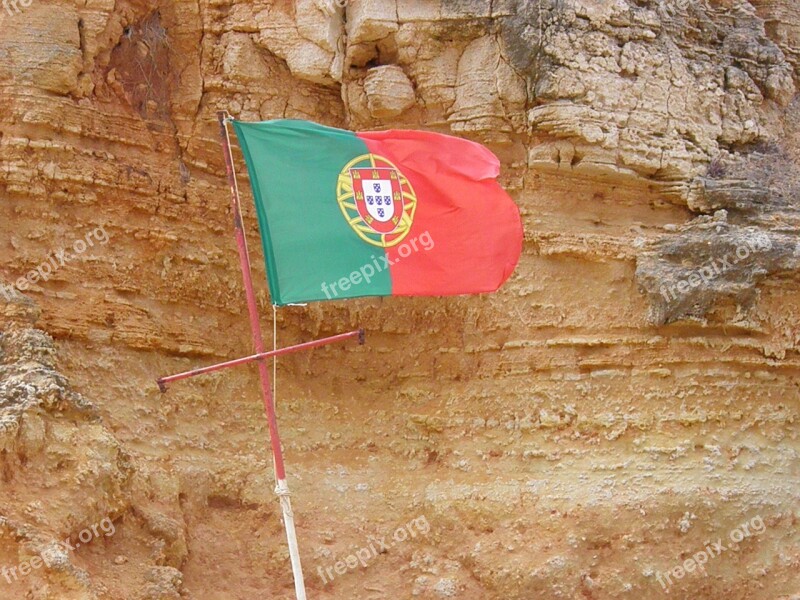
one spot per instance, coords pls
(282, 491)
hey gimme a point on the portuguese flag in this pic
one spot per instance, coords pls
(405, 213)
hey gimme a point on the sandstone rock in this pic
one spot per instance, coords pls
(242, 61)
(170, 531)
(487, 91)
(165, 584)
(641, 139)
(669, 110)
(389, 92)
(309, 59)
(757, 192)
(370, 20)
(41, 51)
(685, 276)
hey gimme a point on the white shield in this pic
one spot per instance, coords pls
(378, 198)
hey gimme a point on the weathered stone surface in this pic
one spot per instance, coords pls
(308, 44)
(45, 53)
(782, 22)
(388, 91)
(490, 97)
(631, 81)
(370, 20)
(643, 140)
(755, 201)
(710, 261)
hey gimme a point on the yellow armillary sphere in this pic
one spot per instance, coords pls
(376, 199)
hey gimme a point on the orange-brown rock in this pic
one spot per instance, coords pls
(614, 410)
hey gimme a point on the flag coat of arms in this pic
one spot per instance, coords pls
(407, 213)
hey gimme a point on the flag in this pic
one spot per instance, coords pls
(405, 213)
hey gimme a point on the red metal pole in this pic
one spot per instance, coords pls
(281, 487)
(163, 381)
(252, 306)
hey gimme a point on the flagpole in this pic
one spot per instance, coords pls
(281, 488)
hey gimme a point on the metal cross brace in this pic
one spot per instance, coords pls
(358, 333)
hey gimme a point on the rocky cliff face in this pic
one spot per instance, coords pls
(629, 398)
